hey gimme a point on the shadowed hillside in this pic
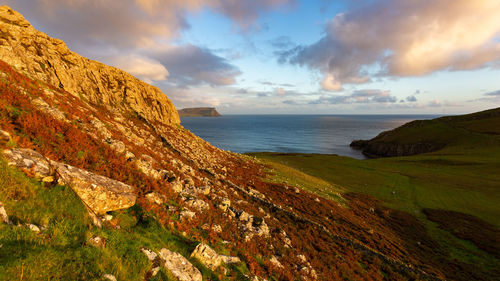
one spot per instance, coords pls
(422, 136)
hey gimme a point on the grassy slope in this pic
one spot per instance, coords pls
(60, 252)
(462, 177)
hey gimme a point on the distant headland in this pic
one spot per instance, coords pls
(199, 112)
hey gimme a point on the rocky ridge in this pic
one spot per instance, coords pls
(49, 60)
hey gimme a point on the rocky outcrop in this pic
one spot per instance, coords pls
(374, 148)
(99, 193)
(409, 139)
(210, 258)
(199, 112)
(179, 266)
(49, 60)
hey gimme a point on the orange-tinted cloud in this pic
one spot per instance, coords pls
(404, 38)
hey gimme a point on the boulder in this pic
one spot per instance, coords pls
(179, 266)
(207, 256)
(100, 194)
(3, 214)
(210, 258)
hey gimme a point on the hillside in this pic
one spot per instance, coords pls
(99, 181)
(199, 112)
(422, 136)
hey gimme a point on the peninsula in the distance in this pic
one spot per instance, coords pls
(199, 112)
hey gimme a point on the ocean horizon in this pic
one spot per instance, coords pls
(294, 133)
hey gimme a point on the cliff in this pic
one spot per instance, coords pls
(199, 112)
(47, 59)
(424, 136)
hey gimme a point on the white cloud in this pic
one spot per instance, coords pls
(403, 38)
(144, 68)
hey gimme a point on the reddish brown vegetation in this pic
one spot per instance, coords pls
(468, 227)
(365, 241)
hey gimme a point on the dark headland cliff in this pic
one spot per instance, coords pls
(199, 112)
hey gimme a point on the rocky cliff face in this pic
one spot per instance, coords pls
(47, 59)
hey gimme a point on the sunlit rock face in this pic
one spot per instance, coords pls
(47, 59)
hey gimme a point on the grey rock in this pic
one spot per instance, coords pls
(179, 266)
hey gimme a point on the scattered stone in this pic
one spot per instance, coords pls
(179, 266)
(207, 256)
(210, 258)
(48, 179)
(187, 214)
(156, 197)
(33, 227)
(150, 254)
(4, 138)
(177, 186)
(276, 262)
(197, 204)
(3, 214)
(109, 277)
(97, 241)
(317, 199)
(226, 203)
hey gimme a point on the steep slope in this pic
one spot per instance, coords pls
(422, 136)
(186, 186)
(49, 60)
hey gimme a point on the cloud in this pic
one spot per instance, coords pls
(144, 68)
(281, 42)
(403, 38)
(411, 98)
(494, 93)
(435, 103)
(280, 92)
(191, 65)
(132, 22)
(358, 96)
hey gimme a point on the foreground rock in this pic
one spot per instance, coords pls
(210, 258)
(179, 266)
(99, 193)
(3, 214)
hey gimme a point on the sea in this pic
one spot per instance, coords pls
(323, 134)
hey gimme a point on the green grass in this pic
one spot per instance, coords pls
(61, 251)
(467, 183)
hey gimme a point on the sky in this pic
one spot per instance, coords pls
(292, 56)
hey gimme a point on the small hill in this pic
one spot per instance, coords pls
(199, 112)
(423, 136)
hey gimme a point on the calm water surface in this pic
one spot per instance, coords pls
(325, 134)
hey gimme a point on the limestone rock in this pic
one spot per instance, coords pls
(4, 138)
(99, 193)
(210, 258)
(49, 60)
(97, 241)
(207, 256)
(110, 277)
(179, 266)
(156, 198)
(33, 228)
(3, 214)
